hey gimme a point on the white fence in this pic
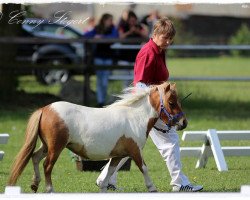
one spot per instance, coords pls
(3, 140)
(15, 194)
(212, 147)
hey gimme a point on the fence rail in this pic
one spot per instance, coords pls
(186, 47)
(31, 40)
(184, 78)
(117, 43)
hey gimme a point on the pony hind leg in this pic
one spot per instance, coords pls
(54, 151)
(48, 166)
(111, 169)
(54, 132)
(36, 159)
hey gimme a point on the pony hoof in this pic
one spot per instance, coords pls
(152, 189)
(34, 188)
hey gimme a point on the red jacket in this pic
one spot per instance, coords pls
(150, 66)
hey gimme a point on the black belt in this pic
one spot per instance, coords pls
(162, 130)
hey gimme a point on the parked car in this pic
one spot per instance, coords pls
(51, 53)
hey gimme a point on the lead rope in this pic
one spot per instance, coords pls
(186, 97)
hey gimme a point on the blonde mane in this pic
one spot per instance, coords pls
(130, 95)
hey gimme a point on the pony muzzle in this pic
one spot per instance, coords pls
(181, 124)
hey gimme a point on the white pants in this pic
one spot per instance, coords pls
(169, 148)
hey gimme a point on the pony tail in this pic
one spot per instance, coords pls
(28, 148)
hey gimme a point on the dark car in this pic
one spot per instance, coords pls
(54, 54)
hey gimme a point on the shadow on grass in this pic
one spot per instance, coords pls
(21, 101)
(21, 104)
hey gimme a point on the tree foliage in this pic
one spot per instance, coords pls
(8, 81)
(241, 37)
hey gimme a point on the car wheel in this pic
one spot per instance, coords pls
(52, 76)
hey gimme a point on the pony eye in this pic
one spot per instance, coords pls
(171, 103)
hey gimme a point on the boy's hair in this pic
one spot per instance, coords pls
(164, 26)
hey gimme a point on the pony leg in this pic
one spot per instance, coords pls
(36, 158)
(54, 132)
(137, 157)
(111, 169)
(48, 166)
(113, 178)
(55, 147)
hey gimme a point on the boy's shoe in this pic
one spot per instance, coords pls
(187, 188)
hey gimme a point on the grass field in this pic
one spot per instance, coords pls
(219, 105)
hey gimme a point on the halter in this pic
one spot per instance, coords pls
(171, 118)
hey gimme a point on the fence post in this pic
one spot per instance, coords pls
(86, 73)
(205, 150)
(217, 150)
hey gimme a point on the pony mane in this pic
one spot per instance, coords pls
(130, 95)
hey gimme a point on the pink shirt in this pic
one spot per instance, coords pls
(150, 66)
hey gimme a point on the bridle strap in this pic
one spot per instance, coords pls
(170, 117)
(163, 109)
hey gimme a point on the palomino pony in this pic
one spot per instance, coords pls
(116, 131)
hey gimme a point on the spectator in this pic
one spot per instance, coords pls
(124, 18)
(132, 28)
(103, 54)
(150, 20)
(90, 25)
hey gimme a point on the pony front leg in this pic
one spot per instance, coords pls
(113, 178)
(147, 179)
(137, 157)
(111, 169)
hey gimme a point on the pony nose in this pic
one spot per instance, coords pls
(182, 124)
(185, 123)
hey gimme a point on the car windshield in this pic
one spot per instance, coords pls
(53, 29)
(59, 30)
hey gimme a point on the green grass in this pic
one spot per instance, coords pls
(218, 66)
(219, 105)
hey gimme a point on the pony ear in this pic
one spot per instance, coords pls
(167, 88)
(173, 86)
